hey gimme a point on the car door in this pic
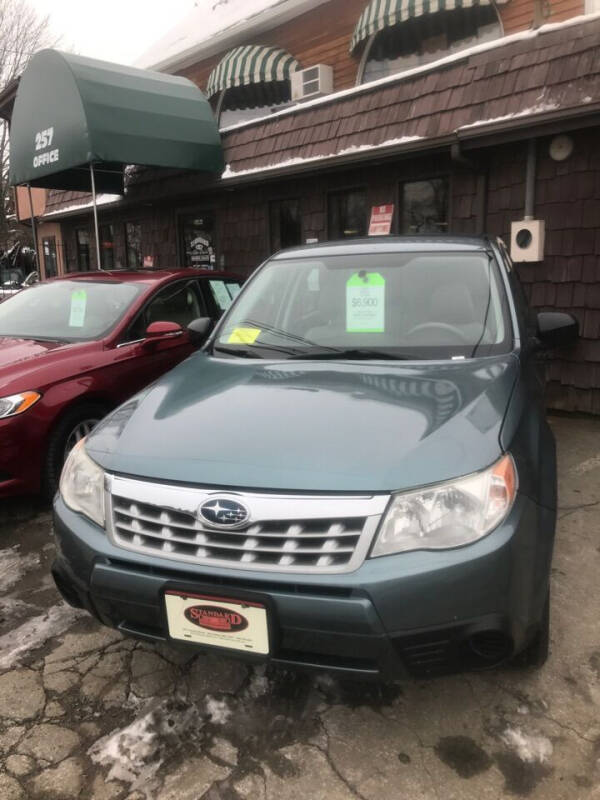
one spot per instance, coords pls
(138, 362)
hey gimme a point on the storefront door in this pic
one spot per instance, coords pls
(196, 236)
(50, 258)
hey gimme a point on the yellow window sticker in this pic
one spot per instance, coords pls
(78, 305)
(244, 335)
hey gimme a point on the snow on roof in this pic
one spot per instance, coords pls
(101, 200)
(396, 77)
(214, 25)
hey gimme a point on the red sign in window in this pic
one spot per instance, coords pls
(381, 220)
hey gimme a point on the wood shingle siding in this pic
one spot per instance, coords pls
(554, 70)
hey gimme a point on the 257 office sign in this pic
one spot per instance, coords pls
(43, 140)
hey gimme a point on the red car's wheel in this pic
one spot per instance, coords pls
(75, 424)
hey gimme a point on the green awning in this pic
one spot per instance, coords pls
(251, 64)
(381, 14)
(71, 112)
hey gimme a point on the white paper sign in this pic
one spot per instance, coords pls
(78, 306)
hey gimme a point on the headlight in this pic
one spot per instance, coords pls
(449, 514)
(82, 484)
(17, 403)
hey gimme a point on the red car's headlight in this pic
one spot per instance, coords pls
(17, 403)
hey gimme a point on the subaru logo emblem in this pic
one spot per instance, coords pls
(222, 512)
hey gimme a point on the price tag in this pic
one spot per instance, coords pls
(78, 305)
(221, 294)
(365, 303)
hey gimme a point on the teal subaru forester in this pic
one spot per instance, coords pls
(354, 471)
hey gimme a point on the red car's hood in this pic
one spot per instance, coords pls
(30, 364)
(12, 351)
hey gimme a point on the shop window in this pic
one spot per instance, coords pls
(425, 206)
(83, 249)
(286, 224)
(347, 213)
(196, 236)
(50, 257)
(133, 243)
(428, 38)
(107, 246)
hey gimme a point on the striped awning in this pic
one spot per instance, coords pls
(250, 64)
(381, 14)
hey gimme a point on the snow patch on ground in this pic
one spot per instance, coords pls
(136, 753)
(259, 683)
(218, 710)
(13, 566)
(530, 748)
(35, 632)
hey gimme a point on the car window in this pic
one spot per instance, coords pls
(525, 314)
(224, 292)
(67, 310)
(178, 302)
(407, 304)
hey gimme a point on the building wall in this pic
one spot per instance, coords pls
(323, 36)
(567, 197)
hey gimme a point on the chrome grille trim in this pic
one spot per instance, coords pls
(321, 534)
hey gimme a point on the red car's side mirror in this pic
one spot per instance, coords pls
(157, 331)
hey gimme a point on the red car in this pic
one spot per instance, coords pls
(73, 348)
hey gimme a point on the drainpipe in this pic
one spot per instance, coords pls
(530, 179)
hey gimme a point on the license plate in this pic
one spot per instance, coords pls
(218, 622)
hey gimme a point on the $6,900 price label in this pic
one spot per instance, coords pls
(365, 303)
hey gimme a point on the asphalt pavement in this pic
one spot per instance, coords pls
(86, 713)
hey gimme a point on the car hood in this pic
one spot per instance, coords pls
(13, 351)
(310, 426)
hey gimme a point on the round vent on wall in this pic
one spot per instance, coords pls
(561, 148)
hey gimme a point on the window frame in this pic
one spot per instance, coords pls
(105, 250)
(347, 190)
(447, 176)
(78, 246)
(279, 200)
(126, 224)
(124, 340)
(364, 59)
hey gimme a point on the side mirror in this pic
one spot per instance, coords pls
(157, 331)
(199, 330)
(555, 328)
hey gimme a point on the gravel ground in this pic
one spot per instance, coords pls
(85, 713)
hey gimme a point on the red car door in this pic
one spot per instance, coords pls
(136, 362)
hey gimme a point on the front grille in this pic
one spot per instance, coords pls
(284, 533)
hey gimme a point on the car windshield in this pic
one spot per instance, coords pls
(66, 310)
(388, 305)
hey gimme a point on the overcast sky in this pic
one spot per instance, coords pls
(115, 30)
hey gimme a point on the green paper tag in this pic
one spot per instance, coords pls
(365, 303)
(78, 305)
(221, 294)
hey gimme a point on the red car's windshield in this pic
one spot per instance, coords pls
(67, 310)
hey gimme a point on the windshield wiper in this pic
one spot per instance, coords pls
(352, 353)
(242, 352)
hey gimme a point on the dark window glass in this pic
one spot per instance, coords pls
(286, 225)
(178, 303)
(425, 206)
(196, 232)
(133, 240)
(244, 103)
(83, 249)
(348, 214)
(50, 257)
(429, 37)
(107, 246)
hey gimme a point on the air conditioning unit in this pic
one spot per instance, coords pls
(527, 240)
(312, 82)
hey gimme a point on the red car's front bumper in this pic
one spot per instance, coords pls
(22, 442)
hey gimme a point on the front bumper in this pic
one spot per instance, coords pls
(21, 439)
(419, 613)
